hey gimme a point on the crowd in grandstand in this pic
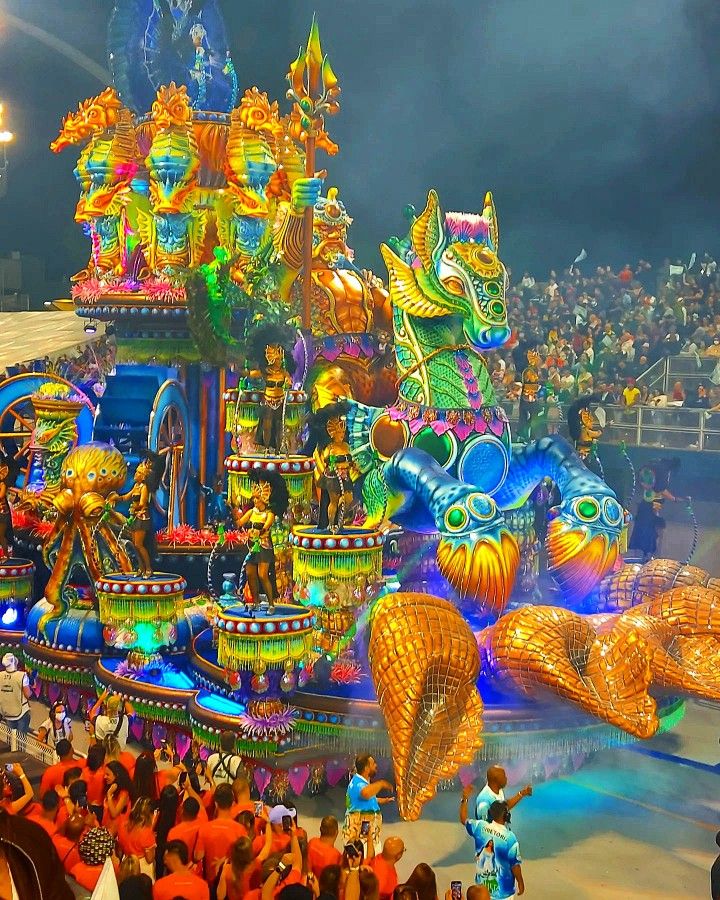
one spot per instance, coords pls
(597, 332)
(87, 365)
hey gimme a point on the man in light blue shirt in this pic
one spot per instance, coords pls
(495, 790)
(498, 865)
(362, 801)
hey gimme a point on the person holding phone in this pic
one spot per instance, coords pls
(288, 870)
(363, 802)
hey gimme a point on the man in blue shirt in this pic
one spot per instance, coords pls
(495, 790)
(497, 853)
(362, 801)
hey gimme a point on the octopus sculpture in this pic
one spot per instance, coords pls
(85, 530)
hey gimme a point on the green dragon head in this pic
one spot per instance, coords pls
(448, 265)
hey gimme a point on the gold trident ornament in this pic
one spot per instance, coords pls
(314, 89)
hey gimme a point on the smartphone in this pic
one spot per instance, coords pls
(456, 890)
(8, 767)
(351, 850)
(287, 823)
(364, 828)
(282, 870)
(259, 809)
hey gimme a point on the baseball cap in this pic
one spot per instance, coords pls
(9, 661)
(277, 813)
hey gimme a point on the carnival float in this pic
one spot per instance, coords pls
(290, 459)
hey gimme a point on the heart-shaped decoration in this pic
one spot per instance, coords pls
(335, 771)
(137, 728)
(73, 700)
(298, 777)
(262, 778)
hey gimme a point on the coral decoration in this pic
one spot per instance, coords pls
(188, 536)
(424, 663)
(271, 727)
(345, 671)
(26, 520)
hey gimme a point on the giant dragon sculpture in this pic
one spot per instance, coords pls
(440, 458)
(107, 168)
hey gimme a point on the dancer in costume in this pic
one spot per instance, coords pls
(7, 477)
(271, 355)
(335, 464)
(146, 481)
(529, 396)
(583, 425)
(270, 502)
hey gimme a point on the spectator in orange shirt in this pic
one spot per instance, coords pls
(53, 776)
(167, 816)
(10, 802)
(321, 850)
(138, 838)
(188, 829)
(147, 780)
(114, 751)
(118, 797)
(281, 836)
(66, 843)
(94, 777)
(95, 847)
(243, 868)
(46, 816)
(181, 882)
(383, 865)
(73, 796)
(217, 836)
(241, 792)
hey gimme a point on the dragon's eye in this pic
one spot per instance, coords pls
(493, 288)
(456, 518)
(454, 286)
(587, 509)
(481, 506)
(497, 308)
(613, 511)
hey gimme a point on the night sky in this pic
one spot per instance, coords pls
(595, 124)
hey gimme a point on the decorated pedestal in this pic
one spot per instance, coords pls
(16, 593)
(335, 574)
(297, 472)
(260, 652)
(140, 613)
(242, 414)
(66, 650)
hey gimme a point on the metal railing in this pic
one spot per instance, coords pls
(669, 428)
(656, 376)
(27, 743)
